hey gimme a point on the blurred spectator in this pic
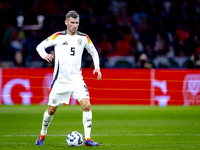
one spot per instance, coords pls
(160, 44)
(195, 57)
(106, 46)
(179, 49)
(32, 39)
(143, 62)
(196, 60)
(120, 13)
(118, 7)
(123, 47)
(182, 32)
(170, 53)
(139, 16)
(161, 62)
(197, 7)
(18, 59)
(7, 41)
(17, 40)
(149, 51)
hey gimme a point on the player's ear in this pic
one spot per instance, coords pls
(65, 22)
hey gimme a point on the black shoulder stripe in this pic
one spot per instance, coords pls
(64, 32)
(80, 33)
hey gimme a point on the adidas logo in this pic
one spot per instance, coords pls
(65, 43)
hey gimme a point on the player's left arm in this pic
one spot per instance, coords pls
(95, 57)
(99, 76)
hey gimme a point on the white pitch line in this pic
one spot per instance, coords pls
(13, 143)
(25, 143)
(109, 135)
(59, 143)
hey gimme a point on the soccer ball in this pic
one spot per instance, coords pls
(74, 139)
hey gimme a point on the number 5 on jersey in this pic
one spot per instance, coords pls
(72, 51)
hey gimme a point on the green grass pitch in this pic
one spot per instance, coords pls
(114, 127)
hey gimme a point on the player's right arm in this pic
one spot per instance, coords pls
(50, 41)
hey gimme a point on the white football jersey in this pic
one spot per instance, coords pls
(68, 54)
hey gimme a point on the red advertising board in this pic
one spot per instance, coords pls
(25, 86)
(118, 86)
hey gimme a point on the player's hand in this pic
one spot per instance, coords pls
(49, 58)
(98, 72)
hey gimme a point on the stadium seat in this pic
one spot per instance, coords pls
(123, 64)
(188, 64)
(173, 63)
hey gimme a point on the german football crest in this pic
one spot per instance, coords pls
(54, 101)
(191, 89)
(80, 42)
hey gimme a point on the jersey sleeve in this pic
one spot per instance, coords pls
(93, 52)
(50, 41)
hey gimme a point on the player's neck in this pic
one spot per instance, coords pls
(71, 33)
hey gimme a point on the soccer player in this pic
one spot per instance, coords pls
(67, 76)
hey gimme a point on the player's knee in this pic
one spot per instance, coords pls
(85, 104)
(51, 110)
(87, 107)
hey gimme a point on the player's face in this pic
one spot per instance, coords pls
(72, 25)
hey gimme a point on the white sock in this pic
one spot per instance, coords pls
(46, 121)
(87, 122)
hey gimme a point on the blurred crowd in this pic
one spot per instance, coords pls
(126, 33)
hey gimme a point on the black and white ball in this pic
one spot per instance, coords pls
(74, 139)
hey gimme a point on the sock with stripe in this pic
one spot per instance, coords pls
(46, 121)
(87, 123)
